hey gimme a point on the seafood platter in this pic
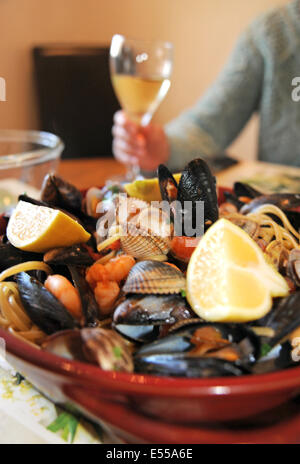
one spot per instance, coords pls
(113, 300)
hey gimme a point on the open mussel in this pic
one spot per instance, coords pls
(201, 350)
(196, 185)
(283, 319)
(144, 318)
(289, 203)
(285, 201)
(148, 309)
(154, 277)
(280, 335)
(10, 256)
(43, 308)
(279, 357)
(245, 191)
(57, 192)
(90, 309)
(181, 366)
(76, 255)
(242, 194)
(167, 184)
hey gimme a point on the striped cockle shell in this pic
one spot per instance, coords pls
(154, 277)
(142, 245)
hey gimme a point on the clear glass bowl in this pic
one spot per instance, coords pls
(25, 158)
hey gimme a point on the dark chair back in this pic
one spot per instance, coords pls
(76, 100)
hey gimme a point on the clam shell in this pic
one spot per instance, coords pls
(293, 266)
(155, 221)
(141, 244)
(154, 277)
(248, 225)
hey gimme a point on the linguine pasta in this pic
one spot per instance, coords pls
(13, 316)
(286, 233)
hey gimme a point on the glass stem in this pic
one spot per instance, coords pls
(132, 172)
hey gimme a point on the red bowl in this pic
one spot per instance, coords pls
(142, 408)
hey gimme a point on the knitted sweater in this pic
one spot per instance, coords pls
(259, 77)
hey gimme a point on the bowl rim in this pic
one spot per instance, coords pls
(131, 383)
(53, 146)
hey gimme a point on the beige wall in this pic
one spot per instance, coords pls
(203, 32)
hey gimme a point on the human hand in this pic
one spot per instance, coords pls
(145, 146)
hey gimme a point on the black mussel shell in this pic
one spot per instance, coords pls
(198, 184)
(57, 192)
(233, 199)
(285, 201)
(42, 307)
(32, 201)
(144, 318)
(171, 355)
(178, 365)
(167, 184)
(245, 190)
(284, 317)
(152, 309)
(89, 305)
(179, 340)
(10, 256)
(278, 358)
(74, 255)
(138, 333)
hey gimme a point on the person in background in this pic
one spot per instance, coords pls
(258, 77)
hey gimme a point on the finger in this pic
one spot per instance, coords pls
(123, 155)
(128, 148)
(121, 119)
(123, 158)
(120, 133)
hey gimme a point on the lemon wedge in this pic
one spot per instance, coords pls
(38, 228)
(228, 278)
(146, 189)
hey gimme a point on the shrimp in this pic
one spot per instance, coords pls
(104, 279)
(96, 273)
(66, 293)
(116, 270)
(119, 267)
(106, 294)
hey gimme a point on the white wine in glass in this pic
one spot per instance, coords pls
(140, 73)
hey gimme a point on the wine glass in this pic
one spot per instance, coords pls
(140, 73)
